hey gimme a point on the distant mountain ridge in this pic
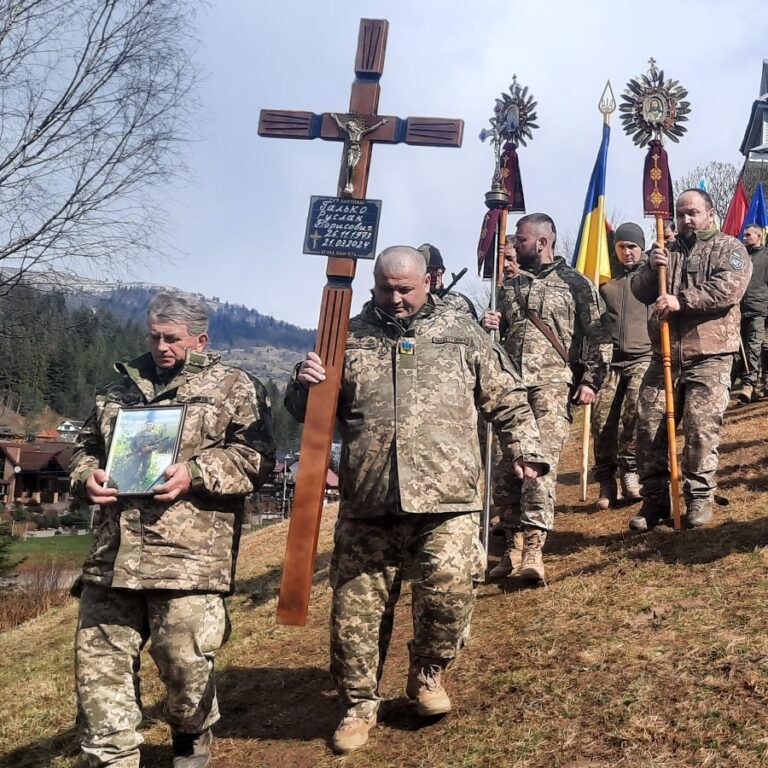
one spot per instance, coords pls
(260, 343)
(231, 325)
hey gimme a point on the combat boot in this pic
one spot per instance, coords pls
(192, 750)
(352, 731)
(511, 559)
(651, 514)
(607, 497)
(744, 394)
(532, 568)
(425, 686)
(699, 512)
(630, 486)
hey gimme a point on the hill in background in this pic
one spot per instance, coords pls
(266, 347)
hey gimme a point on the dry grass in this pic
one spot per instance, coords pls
(40, 587)
(643, 651)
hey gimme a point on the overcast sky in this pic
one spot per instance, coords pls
(240, 223)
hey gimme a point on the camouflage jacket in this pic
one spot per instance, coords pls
(408, 409)
(570, 305)
(191, 543)
(460, 303)
(708, 281)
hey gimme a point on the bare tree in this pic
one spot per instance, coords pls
(721, 180)
(95, 99)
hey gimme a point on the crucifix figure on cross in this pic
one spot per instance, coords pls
(359, 128)
(354, 127)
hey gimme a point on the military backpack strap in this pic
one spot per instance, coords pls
(535, 318)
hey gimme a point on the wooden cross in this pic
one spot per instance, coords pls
(358, 129)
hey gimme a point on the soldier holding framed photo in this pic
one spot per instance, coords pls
(164, 553)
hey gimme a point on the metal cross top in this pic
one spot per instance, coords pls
(358, 129)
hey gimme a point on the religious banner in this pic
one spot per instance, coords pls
(657, 183)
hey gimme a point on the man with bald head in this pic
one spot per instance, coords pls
(553, 325)
(707, 274)
(416, 375)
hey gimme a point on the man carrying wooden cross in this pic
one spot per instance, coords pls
(415, 376)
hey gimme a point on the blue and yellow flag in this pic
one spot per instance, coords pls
(591, 256)
(756, 213)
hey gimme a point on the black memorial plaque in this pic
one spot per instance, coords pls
(339, 226)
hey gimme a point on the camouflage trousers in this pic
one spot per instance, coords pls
(614, 417)
(701, 396)
(113, 625)
(752, 339)
(532, 502)
(371, 558)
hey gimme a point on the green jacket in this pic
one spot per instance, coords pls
(408, 409)
(709, 281)
(191, 543)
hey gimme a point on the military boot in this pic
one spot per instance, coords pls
(532, 567)
(352, 731)
(607, 497)
(630, 486)
(764, 366)
(651, 514)
(511, 559)
(425, 686)
(192, 750)
(744, 393)
(699, 512)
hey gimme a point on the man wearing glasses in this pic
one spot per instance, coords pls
(161, 565)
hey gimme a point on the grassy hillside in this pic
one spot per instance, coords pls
(643, 651)
(265, 362)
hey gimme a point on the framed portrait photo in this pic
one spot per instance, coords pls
(145, 442)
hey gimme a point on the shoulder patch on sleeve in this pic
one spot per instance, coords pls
(737, 260)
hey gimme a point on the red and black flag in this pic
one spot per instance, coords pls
(513, 184)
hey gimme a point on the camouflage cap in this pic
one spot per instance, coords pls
(432, 255)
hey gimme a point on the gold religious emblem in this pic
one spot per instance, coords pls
(656, 197)
(354, 126)
(654, 106)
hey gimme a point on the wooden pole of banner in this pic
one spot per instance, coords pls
(669, 391)
(497, 197)
(358, 129)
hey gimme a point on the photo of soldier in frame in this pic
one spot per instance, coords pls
(145, 442)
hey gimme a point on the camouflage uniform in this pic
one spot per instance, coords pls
(160, 570)
(614, 415)
(708, 281)
(569, 304)
(410, 480)
(460, 303)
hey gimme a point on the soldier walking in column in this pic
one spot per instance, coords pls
(615, 413)
(416, 375)
(754, 308)
(160, 566)
(551, 321)
(707, 275)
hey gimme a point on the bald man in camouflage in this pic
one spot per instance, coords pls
(416, 375)
(160, 566)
